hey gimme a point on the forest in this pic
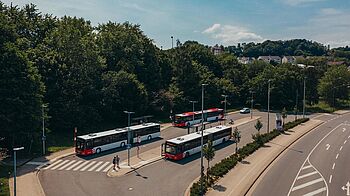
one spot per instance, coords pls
(75, 74)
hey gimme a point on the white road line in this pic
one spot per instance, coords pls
(341, 148)
(66, 165)
(344, 129)
(333, 165)
(81, 165)
(72, 166)
(349, 136)
(107, 168)
(307, 184)
(316, 192)
(102, 166)
(306, 167)
(306, 175)
(330, 179)
(60, 164)
(336, 157)
(88, 165)
(345, 141)
(53, 164)
(97, 164)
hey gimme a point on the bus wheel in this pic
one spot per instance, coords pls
(187, 154)
(122, 144)
(98, 150)
(149, 137)
(223, 140)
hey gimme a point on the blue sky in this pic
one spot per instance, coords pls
(216, 22)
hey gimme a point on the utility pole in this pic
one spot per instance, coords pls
(172, 42)
(43, 123)
(225, 115)
(202, 168)
(251, 107)
(268, 107)
(304, 98)
(129, 136)
(14, 169)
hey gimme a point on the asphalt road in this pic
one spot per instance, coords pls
(160, 178)
(317, 164)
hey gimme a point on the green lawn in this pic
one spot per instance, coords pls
(4, 180)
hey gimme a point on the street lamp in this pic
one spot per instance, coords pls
(268, 106)
(304, 97)
(225, 96)
(43, 136)
(129, 143)
(193, 102)
(172, 42)
(202, 169)
(14, 168)
(251, 107)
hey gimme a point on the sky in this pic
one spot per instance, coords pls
(223, 22)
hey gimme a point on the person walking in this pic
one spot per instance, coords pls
(117, 160)
(114, 161)
(138, 146)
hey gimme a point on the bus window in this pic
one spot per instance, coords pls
(170, 148)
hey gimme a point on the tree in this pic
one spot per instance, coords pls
(258, 125)
(209, 153)
(237, 137)
(284, 115)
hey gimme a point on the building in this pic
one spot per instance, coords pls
(217, 49)
(269, 59)
(291, 59)
(246, 60)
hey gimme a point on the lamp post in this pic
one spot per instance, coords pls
(43, 123)
(251, 107)
(129, 143)
(268, 106)
(304, 97)
(172, 42)
(202, 169)
(193, 102)
(225, 116)
(14, 168)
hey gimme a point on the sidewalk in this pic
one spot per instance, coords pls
(239, 180)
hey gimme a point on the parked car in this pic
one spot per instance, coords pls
(244, 111)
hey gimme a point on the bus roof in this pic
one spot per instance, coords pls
(199, 112)
(114, 131)
(192, 136)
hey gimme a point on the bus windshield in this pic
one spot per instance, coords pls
(170, 148)
(80, 144)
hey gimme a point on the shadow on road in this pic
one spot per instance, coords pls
(219, 188)
(300, 151)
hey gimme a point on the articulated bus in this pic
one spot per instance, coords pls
(186, 119)
(97, 142)
(184, 146)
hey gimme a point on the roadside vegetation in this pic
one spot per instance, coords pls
(4, 179)
(220, 169)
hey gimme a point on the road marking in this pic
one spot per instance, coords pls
(344, 130)
(306, 167)
(66, 165)
(307, 184)
(107, 168)
(333, 165)
(346, 188)
(75, 164)
(316, 191)
(81, 165)
(330, 179)
(97, 164)
(60, 164)
(88, 165)
(306, 175)
(102, 166)
(53, 164)
(327, 146)
(345, 141)
(336, 157)
(349, 136)
(341, 147)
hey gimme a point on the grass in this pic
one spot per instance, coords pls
(59, 141)
(324, 107)
(4, 180)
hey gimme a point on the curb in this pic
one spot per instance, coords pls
(279, 154)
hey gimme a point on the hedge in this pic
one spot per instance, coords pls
(224, 166)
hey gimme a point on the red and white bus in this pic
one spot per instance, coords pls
(184, 146)
(97, 142)
(186, 119)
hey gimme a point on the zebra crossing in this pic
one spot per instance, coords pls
(79, 166)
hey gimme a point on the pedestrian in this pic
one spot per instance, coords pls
(117, 160)
(138, 146)
(114, 161)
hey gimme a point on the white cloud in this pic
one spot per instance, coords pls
(229, 34)
(299, 2)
